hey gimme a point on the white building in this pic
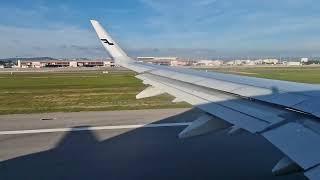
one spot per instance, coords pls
(108, 63)
(251, 63)
(73, 64)
(258, 61)
(209, 63)
(238, 62)
(158, 60)
(246, 62)
(230, 63)
(36, 64)
(177, 63)
(19, 63)
(270, 61)
(304, 60)
(293, 63)
(64, 63)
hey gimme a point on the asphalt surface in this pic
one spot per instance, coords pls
(129, 153)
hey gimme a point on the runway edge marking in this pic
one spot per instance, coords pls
(34, 131)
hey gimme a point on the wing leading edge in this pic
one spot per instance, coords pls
(285, 113)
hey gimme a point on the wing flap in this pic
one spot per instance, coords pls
(299, 143)
(314, 173)
(312, 105)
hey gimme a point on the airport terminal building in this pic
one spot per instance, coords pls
(64, 63)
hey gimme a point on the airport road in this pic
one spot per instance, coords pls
(117, 145)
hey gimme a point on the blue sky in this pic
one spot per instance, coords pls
(195, 28)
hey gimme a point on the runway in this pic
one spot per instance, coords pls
(140, 144)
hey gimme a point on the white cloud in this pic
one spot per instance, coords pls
(231, 26)
(234, 25)
(58, 42)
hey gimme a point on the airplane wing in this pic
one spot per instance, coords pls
(285, 113)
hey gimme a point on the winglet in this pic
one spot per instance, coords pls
(111, 46)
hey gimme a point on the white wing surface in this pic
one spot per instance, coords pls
(285, 113)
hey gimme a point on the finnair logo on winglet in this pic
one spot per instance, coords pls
(106, 41)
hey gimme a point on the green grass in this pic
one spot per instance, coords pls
(93, 91)
(296, 74)
(69, 92)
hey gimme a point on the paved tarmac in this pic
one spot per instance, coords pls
(120, 145)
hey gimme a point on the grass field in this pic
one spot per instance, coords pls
(93, 91)
(297, 74)
(86, 91)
